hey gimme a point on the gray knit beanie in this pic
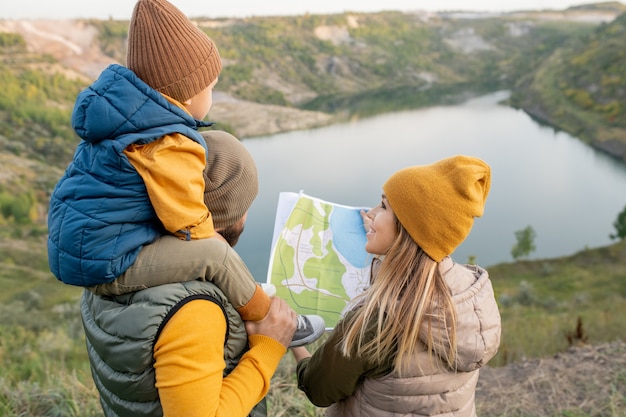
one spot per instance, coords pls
(230, 178)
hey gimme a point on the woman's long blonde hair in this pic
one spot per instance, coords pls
(407, 292)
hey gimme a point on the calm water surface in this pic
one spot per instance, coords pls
(569, 193)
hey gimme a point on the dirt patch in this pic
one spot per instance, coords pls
(588, 380)
(248, 119)
(468, 42)
(73, 43)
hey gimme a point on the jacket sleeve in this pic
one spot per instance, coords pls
(328, 376)
(172, 170)
(479, 325)
(189, 365)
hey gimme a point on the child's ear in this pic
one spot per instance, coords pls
(187, 102)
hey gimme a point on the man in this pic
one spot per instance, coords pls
(182, 348)
(134, 189)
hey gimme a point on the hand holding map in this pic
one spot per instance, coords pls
(318, 261)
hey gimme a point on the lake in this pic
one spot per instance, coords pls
(568, 192)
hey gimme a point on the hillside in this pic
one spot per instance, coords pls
(287, 73)
(301, 72)
(580, 89)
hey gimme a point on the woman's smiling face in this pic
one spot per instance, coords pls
(382, 228)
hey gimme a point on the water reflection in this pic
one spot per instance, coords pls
(569, 193)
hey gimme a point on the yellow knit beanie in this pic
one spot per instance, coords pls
(231, 180)
(437, 203)
(168, 52)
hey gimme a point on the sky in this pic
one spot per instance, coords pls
(122, 9)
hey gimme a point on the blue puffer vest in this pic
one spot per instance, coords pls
(121, 332)
(100, 214)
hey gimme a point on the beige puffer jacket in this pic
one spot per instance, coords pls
(427, 389)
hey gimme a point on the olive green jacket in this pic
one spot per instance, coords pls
(121, 332)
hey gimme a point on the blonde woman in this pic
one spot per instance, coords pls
(415, 341)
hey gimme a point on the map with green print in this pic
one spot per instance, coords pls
(318, 261)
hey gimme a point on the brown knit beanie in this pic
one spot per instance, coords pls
(168, 52)
(230, 178)
(437, 203)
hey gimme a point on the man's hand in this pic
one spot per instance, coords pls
(279, 323)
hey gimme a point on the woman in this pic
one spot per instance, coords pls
(418, 335)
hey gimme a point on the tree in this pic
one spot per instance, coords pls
(525, 243)
(620, 226)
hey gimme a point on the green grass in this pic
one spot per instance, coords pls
(546, 306)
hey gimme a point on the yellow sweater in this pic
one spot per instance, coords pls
(189, 363)
(172, 170)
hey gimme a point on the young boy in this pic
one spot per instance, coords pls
(137, 175)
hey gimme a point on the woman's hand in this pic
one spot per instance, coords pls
(366, 220)
(300, 353)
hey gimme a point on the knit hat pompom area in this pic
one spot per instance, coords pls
(168, 52)
(437, 203)
(230, 178)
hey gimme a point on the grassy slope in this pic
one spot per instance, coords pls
(579, 88)
(45, 369)
(549, 305)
